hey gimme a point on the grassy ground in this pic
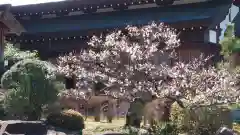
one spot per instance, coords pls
(95, 128)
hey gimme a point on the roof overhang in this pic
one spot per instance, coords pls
(9, 21)
(70, 5)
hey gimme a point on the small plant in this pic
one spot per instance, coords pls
(67, 119)
(134, 131)
(236, 127)
(164, 129)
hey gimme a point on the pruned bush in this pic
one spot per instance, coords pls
(31, 84)
(68, 119)
(201, 120)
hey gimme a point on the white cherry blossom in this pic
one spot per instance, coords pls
(124, 59)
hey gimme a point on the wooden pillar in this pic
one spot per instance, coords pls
(2, 35)
(8, 24)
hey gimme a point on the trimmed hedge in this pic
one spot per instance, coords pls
(67, 119)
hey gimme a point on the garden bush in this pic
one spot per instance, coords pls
(201, 120)
(31, 84)
(67, 119)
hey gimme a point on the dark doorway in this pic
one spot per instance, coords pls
(70, 82)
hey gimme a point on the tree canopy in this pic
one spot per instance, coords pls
(125, 61)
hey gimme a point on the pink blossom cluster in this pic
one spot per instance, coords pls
(123, 60)
(202, 85)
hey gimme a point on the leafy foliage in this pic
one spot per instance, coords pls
(236, 128)
(30, 84)
(14, 54)
(228, 42)
(230, 45)
(165, 128)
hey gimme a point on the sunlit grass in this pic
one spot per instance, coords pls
(93, 128)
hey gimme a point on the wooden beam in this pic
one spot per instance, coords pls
(11, 23)
(3, 128)
(2, 38)
(2, 35)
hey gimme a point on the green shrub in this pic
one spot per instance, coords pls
(31, 84)
(69, 119)
(3, 113)
(236, 128)
(235, 106)
(199, 120)
(13, 54)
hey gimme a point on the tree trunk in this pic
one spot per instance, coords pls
(34, 114)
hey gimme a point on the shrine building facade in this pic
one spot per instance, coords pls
(60, 27)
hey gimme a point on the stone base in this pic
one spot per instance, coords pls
(23, 127)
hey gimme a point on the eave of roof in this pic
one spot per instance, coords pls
(118, 19)
(63, 5)
(12, 24)
(180, 26)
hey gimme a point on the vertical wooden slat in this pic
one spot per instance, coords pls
(1, 43)
(2, 34)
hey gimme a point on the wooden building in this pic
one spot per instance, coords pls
(60, 27)
(8, 25)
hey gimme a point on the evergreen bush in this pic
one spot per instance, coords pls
(31, 84)
(67, 119)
